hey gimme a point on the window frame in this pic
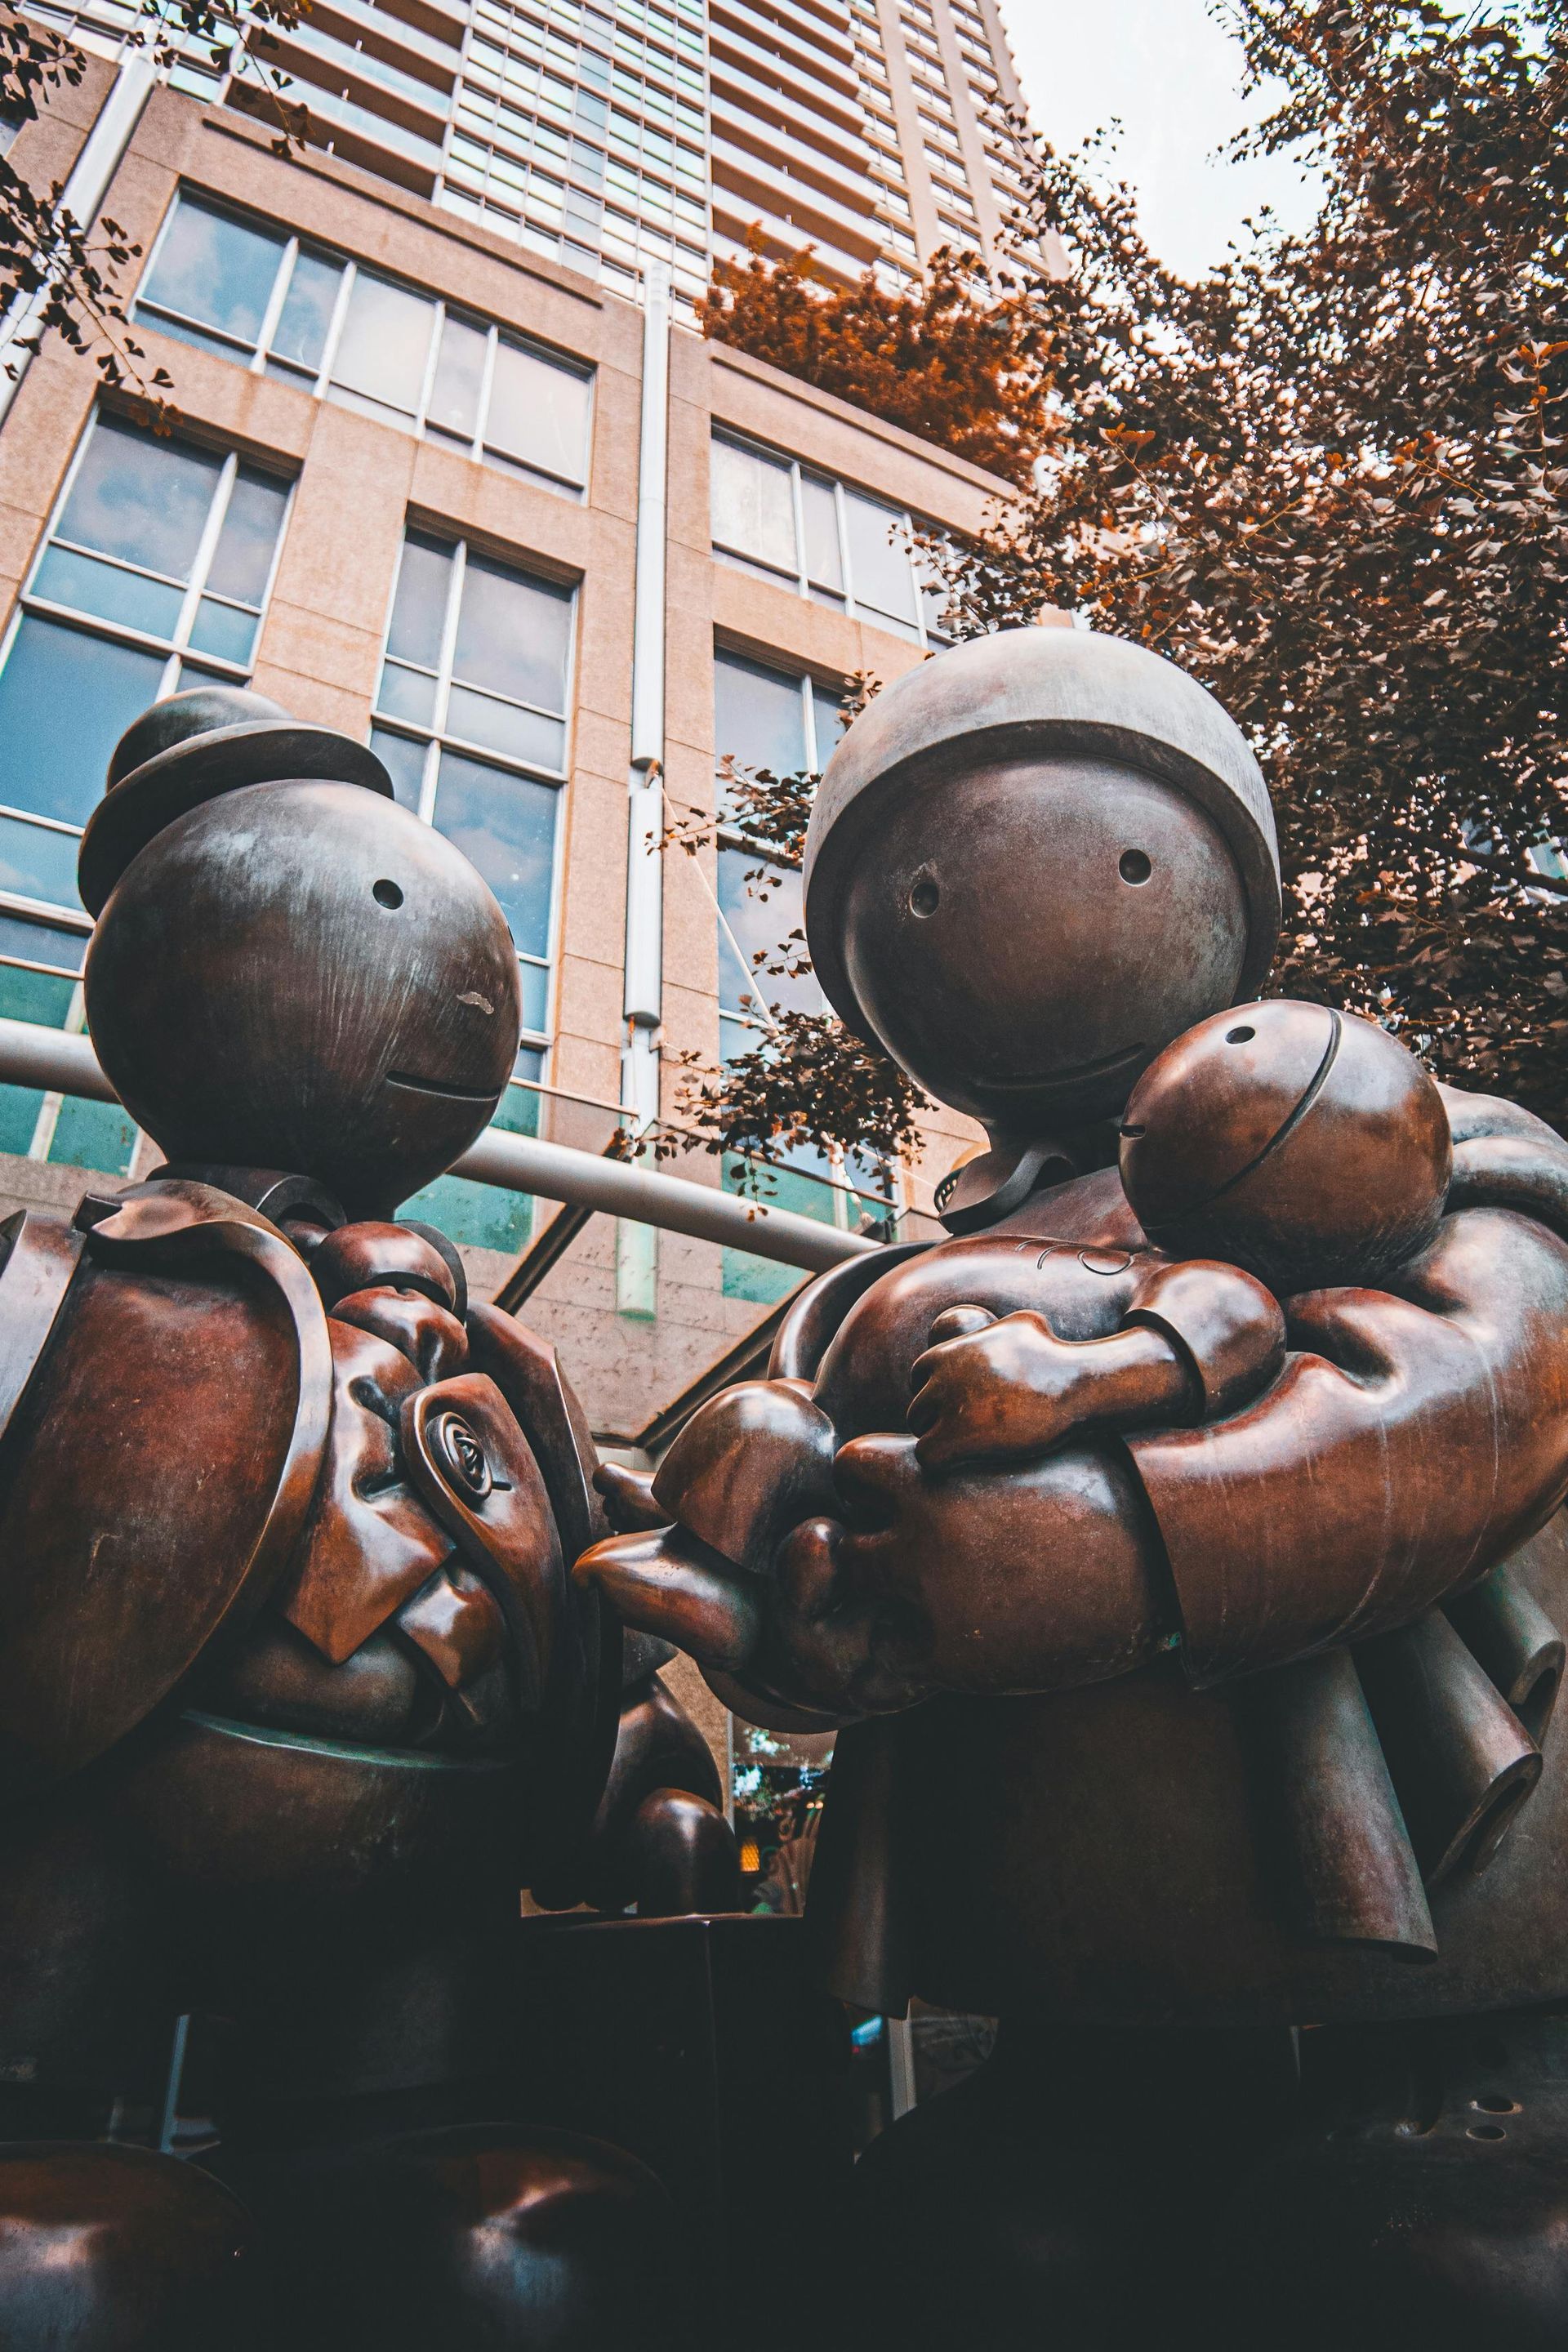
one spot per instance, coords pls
(176, 648)
(434, 739)
(734, 838)
(845, 601)
(260, 359)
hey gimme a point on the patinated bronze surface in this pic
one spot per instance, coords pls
(1178, 1544)
(297, 1693)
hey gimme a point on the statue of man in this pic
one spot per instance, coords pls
(296, 1692)
(1191, 1620)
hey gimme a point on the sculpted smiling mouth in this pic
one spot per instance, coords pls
(417, 1084)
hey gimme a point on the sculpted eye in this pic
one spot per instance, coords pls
(460, 1456)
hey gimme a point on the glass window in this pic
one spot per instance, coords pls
(160, 551)
(382, 348)
(213, 269)
(754, 505)
(253, 294)
(472, 714)
(833, 542)
(878, 546)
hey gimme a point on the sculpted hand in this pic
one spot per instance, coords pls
(1010, 1390)
(849, 1582)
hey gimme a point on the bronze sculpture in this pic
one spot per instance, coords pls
(1196, 1626)
(296, 1692)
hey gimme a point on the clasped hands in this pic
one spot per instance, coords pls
(1009, 1389)
(848, 1578)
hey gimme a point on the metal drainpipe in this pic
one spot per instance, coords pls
(636, 1246)
(82, 197)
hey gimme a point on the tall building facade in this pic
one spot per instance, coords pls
(562, 561)
(605, 134)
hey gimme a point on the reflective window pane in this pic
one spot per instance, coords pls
(129, 597)
(307, 313)
(420, 611)
(828, 713)
(224, 630)
(759, 721)
(881, 574)
(38, 864)
(384, 344)
(760, 912)
(514, 635)
(93, 1135)
(538, 412)
(754, 505)
(39, 943)
(407, 694)
(506, 826)
(58, 771)
(819, 510)
(215, 269)
(141, 499)
(505, 727)
(403, 761)
(535, 978)
(459, 379)
(243, 557)
(33, 995)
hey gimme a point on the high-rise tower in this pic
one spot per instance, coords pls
(608, 133)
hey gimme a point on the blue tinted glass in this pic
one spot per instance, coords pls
(535, 978)
(35, 995)
(513, 634)
(39, 943)
(759, 719)
(141, 499)
(93, 1135)
(37, 864)
(506, 826)
(243, 557)
(307, 312)
(479, 1216)
(503, 726)
(404, 763)
(224, 630)
(406, 694)
(760, 914)
(58, 771)
(215, 269)
(89, 586)
(19, 1108)
(419, 610)
(827, 710)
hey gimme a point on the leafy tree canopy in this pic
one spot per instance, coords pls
(960, 359)
(1329, 480)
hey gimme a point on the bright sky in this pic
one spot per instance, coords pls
(1164, 69)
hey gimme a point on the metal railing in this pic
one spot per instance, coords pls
(32, 1056)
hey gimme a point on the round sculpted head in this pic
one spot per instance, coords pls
(298, 973)
(1033, 862)
(1305, 1145)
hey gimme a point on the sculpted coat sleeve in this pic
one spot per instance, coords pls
(1416, 1437)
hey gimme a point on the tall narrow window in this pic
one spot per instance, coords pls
(154, 576)
(471, 722)
(770, 719)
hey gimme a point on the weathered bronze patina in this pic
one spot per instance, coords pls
(1179, 1546)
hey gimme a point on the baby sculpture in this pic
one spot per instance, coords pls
(1176, 1546)
(296, 1693)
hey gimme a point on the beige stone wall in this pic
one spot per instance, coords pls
(360, 482)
